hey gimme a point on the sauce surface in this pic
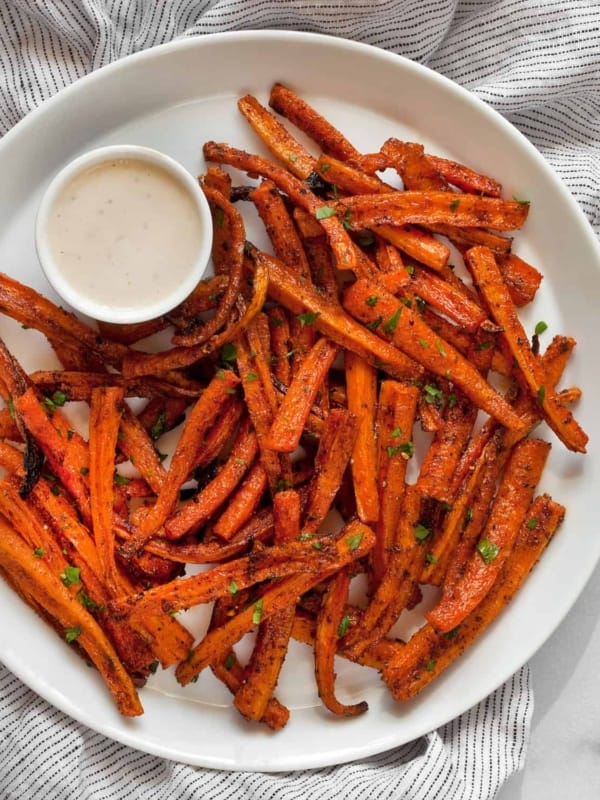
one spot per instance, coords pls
(124, 233)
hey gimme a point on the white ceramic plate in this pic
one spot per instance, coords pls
(174, 98)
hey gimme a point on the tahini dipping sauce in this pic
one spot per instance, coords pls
(124, 232)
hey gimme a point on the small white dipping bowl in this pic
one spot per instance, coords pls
(108, 291)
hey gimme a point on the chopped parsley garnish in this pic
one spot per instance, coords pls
(430, 666)
(343, 626)
(531, 523)
(158, 428)
(373, 300)
(424, 343)
(121, 480)
(541, 394)
(354, 541)
(431, 559)
(251, 376)
(440, 348)
(540, 327)
(392, 323)
(454, 204)
(219, 217)
(232, 588)
(487, 550)
(228, 353)
(308, 318)
(70, 575)
(39, 552)
(324, 212)
(229, 661)
(72, 633)
(257, 613)
(421, 532)
(406, 449)
(375, 323)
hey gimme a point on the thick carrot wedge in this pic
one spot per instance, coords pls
(361, 391)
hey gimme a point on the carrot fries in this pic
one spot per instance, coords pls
(336, 419)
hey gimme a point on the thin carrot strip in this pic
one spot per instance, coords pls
(243, 503)
(361, 391)
(286, 430)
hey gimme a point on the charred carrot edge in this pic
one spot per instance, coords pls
(355, 540)
(288, 425)
(347, 178)
(333, 322)
(329, 620)
(522, 279)
(361, 392)
(429, 653)
(414, 337)
(277, 138)
(287, 103)
(395, 421)
(36, 581)
(333, 455)
(512, 500)
(485, 271)
(202, 415)
(194, 512)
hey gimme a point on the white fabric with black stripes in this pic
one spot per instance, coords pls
(535, 61)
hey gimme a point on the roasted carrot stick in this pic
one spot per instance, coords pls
(361, 391)
(506, 517)
(485, 271)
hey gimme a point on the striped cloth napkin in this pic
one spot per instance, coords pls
(535, 61)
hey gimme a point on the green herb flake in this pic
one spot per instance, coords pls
(454, 204)
(531, 523)
(292, 157)
(324, 212)
(232, 588)
(487, 550)
(421, 305)
(541, 395)
(424, 343)
(84, 470)
(440, 348)
(373, 300)
(468, 515)
(229, 661)
(154, 666)
(354, 541)
(72, 633)
(343, 626)
(158, 428)
(219, 217)
(521, 202)
(228, 353)
(374, 324)
(406, 450)
(121, 480)
(396, 433)
(11, 407)
(325, 167)
(540, 328)
(39, 552)
(410, 269)
(431, 559)
(422, 533)
(282, 485)
(257, 613)
(451, 633)
(59, 398)
(88, 603)
(392, 323)
(70, 575)
(430, 666)
(309, 318)
(484, 345)
(251, 376)
(55, 490)
(317, 545)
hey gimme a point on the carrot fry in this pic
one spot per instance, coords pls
(361, 390)
(105, 412)
(335, 446)
(431, 207)
(412, 335)
(465, 178)
(522, 280)
(287, 103)
(277, 138)
(286, 430)
(280, 344)
(457, 307)
(508, 511)
(416, 243)
(243, 504)
(395, 421)
(489, 280)
(329, 620)
(133, 441)
(347, 178)
(428, 653)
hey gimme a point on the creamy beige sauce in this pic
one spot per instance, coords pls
(124, 233)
